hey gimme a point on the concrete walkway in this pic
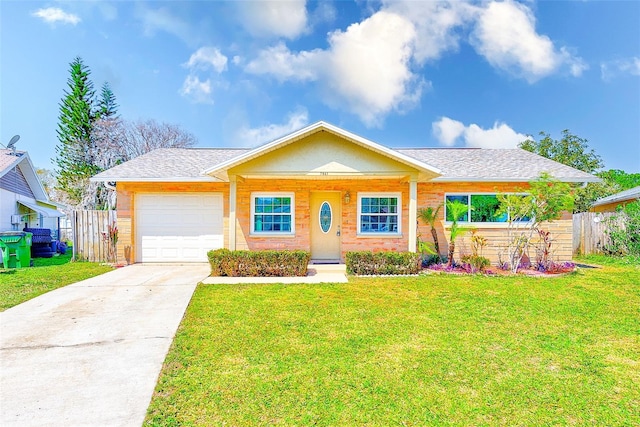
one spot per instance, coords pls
(316, 273)
(89, 354)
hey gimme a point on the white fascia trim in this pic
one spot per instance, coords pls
(287, 139)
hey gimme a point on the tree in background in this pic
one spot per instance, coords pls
(121, 140)
(92, 138)
(571, 150)
(574, 151)
(107, 105)
(74, 151)
(49, 180)
(143, 136)
(106, 131)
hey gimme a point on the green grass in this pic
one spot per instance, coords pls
(435, 350)
(47, 274)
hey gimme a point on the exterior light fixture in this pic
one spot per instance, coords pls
(347, 197)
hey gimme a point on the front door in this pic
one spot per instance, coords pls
(325, 225)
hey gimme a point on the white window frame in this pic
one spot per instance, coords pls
(494, 224)
(397, 233)
(271, 233)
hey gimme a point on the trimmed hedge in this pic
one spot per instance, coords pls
(258, 263)
(365, 263)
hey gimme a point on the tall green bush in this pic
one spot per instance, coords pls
(624, 230)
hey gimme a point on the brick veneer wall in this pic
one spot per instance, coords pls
(429, 194)
(302, 190)
(432, 194)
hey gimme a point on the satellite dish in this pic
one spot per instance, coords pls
(13, 141)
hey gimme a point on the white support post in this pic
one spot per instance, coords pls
(413, 213)
(232, 212)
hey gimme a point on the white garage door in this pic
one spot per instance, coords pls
(178, 227)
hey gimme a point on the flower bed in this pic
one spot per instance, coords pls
(551, 269)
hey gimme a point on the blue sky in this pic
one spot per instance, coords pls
(404, 74)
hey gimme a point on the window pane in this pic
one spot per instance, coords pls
(462, 199)
(484, 208)
(279, 218)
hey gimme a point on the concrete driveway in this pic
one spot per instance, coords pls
(89, 354)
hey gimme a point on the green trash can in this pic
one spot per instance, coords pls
(24, 250)
(16, 249)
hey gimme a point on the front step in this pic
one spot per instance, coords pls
(313, 269)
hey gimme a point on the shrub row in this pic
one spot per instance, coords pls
(371, 263)
(258, 263)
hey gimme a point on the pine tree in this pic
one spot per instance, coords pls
(74, 151)
(107, 106)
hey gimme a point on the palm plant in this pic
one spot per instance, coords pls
(457, 210)
(430, 216)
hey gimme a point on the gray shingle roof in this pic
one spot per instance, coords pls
(483, 164)
(456, 164)
(170, 164)
(630, 194)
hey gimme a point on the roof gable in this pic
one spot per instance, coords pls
(323, 150)
(16, 169)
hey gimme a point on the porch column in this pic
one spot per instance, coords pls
(413, 213)
(232, 212)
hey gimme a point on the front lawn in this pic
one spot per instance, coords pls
(434, 350)
(47, 274)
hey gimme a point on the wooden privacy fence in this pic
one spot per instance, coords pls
(95, 234)
(590, 231)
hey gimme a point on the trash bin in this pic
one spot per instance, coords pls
(24, 249)
(16, 249)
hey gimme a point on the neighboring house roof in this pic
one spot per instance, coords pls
(452, 164)
(19, 160)
(623, 196)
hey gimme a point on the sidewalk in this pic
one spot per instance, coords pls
(316, 273)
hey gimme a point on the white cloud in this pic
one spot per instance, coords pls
(281, 63)
(437, 24)
(209, 62)
(53, 15)
(369, 69)
(162, 19)
(198, 91)
(206, 57)
(505, 35)
(325, 11)
(250, 137)
(448, 131)
(366, 69)
(274, 18)
(612, 69)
